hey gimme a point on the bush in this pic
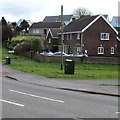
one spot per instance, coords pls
(28, 45)
(37, 45)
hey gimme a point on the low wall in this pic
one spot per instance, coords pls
(89, 60)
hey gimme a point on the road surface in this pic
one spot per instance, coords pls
(23, 100)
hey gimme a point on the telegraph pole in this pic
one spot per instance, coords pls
(61, 37)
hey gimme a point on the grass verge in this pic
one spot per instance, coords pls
(52, 70)
(109, 85)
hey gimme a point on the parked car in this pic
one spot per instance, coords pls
(49, 53)
(11, 51)
(59, 54)
(81, 55)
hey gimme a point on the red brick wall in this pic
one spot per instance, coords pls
(91, 39)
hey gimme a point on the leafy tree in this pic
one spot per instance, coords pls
(81, 12)
(24, 25)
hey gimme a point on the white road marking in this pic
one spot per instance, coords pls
(12, 103)
(118, 112)
(37, 96)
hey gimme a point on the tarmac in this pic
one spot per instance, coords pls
(87, 86)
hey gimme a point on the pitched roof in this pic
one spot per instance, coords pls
(46, 25)
(106, 16)
(54, 32)
(65, 18)
(79, 24)
(50, 19)
(117, 19)
(57, 18)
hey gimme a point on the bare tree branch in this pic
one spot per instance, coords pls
(80, 12)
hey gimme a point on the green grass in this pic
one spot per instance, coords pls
(23, 37)
(52, 70)
(109, 85)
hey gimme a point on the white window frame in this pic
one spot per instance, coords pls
(106, 35)
(112, 50)
(34, 31)
(78, 49)
(78, 36)
(71, 36)
(49, 40)
(100, 50)
(37, 31)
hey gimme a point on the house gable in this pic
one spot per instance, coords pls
(53, 33)
(91, 31)
(83, 24)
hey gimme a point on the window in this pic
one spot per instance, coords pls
(45, 31)
(112, 50)
(78, 36)
(36, 31)
(67, 36)
(70, 36)
(100, 50)
(104, 36)
(49, 40)
(78, 49)
(62, 37)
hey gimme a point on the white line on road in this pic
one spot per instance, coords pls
(12, 103)
(37, 96)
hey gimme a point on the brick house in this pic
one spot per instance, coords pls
(52, 39)
(93, 35)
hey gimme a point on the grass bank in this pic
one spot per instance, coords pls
(52, 70)
(23, 37)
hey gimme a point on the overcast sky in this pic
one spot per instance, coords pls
(36, 10)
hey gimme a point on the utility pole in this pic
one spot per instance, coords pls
(61, 37)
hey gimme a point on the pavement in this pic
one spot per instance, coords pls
(87, 86)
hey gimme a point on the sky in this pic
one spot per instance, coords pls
(36, 10)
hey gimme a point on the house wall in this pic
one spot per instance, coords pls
(70, 44)
(39, 31)
(54, 43)
(91, 39)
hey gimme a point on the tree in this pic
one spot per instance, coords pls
(3, 21)
(81, 12)
(24, 25)
(6, 31)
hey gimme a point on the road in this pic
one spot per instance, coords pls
(23, 100)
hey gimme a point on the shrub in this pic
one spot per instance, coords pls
(33, 44)
(37, 44)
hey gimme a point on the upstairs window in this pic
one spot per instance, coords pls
(67, 36)
(49, 40)
(78, 36)
(105, 36)
(71, 36)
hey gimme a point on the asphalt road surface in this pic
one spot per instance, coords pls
(23, 100)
